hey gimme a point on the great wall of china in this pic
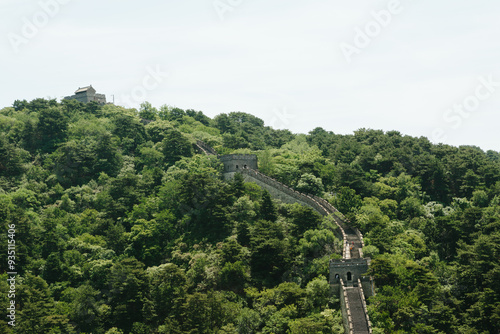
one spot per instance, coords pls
(347, 274)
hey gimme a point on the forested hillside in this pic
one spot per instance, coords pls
(121, 226)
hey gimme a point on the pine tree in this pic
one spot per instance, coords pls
(268, 210)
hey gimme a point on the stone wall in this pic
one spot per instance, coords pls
(365, 309)
(348, 270)
(208, 150)
(288, 195)
(280, 190)
(368, 286)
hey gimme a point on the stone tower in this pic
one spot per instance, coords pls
(349, 270)
(234, 163)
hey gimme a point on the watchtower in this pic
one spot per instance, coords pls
(349, 270)
(235, 162)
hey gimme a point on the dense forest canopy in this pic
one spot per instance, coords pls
(123, 227)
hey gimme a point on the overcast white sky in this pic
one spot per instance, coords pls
(280, 60)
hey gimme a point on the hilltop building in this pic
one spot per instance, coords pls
(87, 94)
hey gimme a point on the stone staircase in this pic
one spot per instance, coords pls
(359, 320)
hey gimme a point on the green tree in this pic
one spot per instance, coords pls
(310, 184)
(20, 105)
(480, 198)
(317, 243)
(248, 321)
(270, 252)
(205, 313)
(85, 311)
(234, 276)
(130, 131)
(13, 158)
(52, 128)
(167, 292)
(318, 291)
(238, 185)
(266, 164)
(346, 200)
(303, 218)
(147, 111)
(128, 285)
(267, 208)
(37, 309)
(175, 146)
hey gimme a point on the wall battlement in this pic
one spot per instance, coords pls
(229, 157)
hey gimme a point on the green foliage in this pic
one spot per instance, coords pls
(346, 200)
(127, 283)
(319, 292)
(271, 253)
(130, 131)
(175, 146)
(303, 218)
(317, 243)
(204, 312)
(167, 290)
(122, 228)
(38, 309)
(310, 184)
(78, 162)
(11, 164)
(147, 111)
(267, 209)
(51, 128)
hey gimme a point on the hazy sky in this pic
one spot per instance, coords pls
(424, 68)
